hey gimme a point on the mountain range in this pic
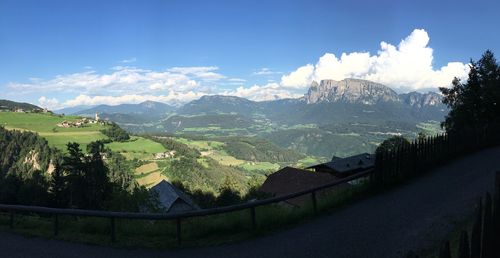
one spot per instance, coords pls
(341, 117)
(349, 97)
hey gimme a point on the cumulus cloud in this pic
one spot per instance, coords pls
(407, 66)
(49, 103)
(172, 98)
(181, 82)
(270, 91)
(298, 78)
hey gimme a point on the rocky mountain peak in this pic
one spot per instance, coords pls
(419, 100)
(350, 91)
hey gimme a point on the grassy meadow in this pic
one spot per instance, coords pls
(137, 148)
(46, 126)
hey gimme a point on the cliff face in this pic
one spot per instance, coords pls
(420, 100)
(350, 91)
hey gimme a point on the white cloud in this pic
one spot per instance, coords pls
(130, 60)
(298, 78)
(49, 103)
(123, 84)
(202, 72)
(407, 66)
(236, 80)
(269, 91)
(265, 71)
(172, 98)
(121, 81)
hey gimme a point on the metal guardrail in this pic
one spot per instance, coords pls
(112, 215)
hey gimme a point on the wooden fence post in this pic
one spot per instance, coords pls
(475, 241)
(314, 201)
(179, 231)
(496, 213)
(444, 251)
(463, 248)
(253, 217)
(11, 225)
(113, 233)
(487, 229)
(56, 225)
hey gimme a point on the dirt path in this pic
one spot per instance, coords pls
(410, 217)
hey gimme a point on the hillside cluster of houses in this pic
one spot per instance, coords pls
(21, 110)
(81, 122)
(164, 155)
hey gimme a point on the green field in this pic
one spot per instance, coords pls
(46, 126)
(430, 127)
(216, 151)
(137, 147)
(266, 166)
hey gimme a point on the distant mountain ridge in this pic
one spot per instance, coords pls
(326, 102)
(12, 105)
(347, 91)
(334, 117)
(146, 107)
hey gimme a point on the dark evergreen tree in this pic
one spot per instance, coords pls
(392, 144)
(58, 188)
(74, 168)
(475, 104)
(116, 133)
(229, 194)
(97, 185)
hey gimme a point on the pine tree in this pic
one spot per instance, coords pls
(58, 187)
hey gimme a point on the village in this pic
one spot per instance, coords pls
(81, 122)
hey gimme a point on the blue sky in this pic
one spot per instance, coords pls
(65, 53)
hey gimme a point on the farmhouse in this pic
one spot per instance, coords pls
(290, 180)
(164, 155)
(172, 199)
(342, 167)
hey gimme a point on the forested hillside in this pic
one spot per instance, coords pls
(23, 153)
(12, 105)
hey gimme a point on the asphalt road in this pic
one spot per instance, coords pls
(413, 216)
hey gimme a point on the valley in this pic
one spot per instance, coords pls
(216, 140)
(340, 118)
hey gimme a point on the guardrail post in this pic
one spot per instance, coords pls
(113, 233)
(56, 225)
(252, 215)
(179, 230)
(11, 219)
(315, 203)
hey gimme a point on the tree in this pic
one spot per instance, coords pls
(97, 185)
(475, 104)
(116, 133)
(392, 144)
(74, 168)
(58, 187)
(228, 193)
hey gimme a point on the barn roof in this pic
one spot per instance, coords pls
(168, 194)
(290, 180)
(343, 165)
